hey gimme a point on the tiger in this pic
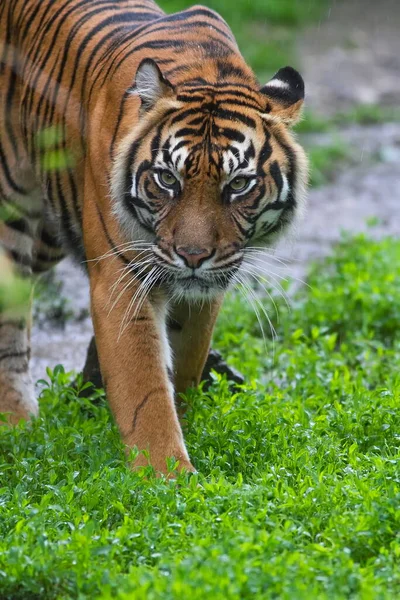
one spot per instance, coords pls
(141, 144)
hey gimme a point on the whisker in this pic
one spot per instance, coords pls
(128, 269)
(150, 284)
(116, 250)
(244, 290)
(272, 254)
(125, 319)
(264, 277)
(257, 263)
(263, 287)
(134, 279)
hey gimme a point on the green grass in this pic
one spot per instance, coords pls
(326, 160)
(299, 490)
(313, 123)
(264, 29)
(362, 114)
(277, 12)
(367, 114)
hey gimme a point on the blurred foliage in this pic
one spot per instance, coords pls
(277, 12)
(362, 114)
(367, 114)
(15, 292)
(54, 156)
(326, 160)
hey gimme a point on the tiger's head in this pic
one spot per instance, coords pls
(209, 171)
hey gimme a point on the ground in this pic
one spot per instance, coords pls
(349, 59)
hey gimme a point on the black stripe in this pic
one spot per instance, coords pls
(118, 253)
(277, 177)
(242, 230)
(176, 44)
(249, 153)
(49, 240)
(20, 259)
(188, 131)
(232, 134)
(256, 203)
(110, 241)
(13, 355)
(211, 87)
(175, 18)
(18, 225)
(12, 80)
(30, 18)
(67, 47)
(291, 175)
(53, 41)
(66, 218)
(13, 185)
(40, 122)
(46, 258)
(227, 69)
(73, 195)
(19, 324)
(125, 19)
(240, 101)
(185, 113)
(190, 98)
(143, 404)
(264, 155)
(119, 119)
(232, 114)
(197, 26)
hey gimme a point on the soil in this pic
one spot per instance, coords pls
(351, 57)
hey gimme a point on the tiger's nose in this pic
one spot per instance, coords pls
(193, 256)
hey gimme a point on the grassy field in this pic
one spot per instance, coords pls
(299, 489)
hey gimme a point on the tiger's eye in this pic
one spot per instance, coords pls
(168, 178)
(239, 184)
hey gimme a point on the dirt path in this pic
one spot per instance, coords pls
(351, 57)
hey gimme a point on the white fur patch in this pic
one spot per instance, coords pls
(277, 83)
(270, 216)
(285, 189)
(161, 313)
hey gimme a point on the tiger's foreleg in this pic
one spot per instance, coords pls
(17, 398)
(190, 331)
(20, 218)
(135, 362)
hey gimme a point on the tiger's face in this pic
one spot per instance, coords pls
(210, 174)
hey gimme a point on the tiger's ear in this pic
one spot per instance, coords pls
(150, 84)
(285, 96)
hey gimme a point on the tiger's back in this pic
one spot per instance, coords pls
(50, 53)
(144, 138)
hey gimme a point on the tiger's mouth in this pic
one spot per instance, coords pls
(202, 284)
(156, 268)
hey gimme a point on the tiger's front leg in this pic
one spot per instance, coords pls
(190, 331)
(136, 364)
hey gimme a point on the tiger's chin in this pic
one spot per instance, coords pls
(196, 289)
